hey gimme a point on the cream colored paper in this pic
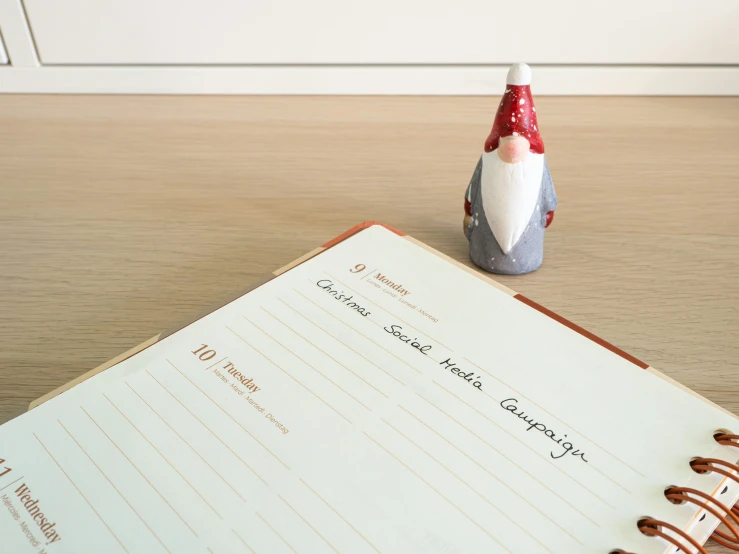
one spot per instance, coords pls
(357, 403)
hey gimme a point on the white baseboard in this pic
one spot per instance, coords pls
(369, 80)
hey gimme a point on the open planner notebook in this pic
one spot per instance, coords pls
(373, 396)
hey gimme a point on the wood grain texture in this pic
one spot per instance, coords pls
(121, 216)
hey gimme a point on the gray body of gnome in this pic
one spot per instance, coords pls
(528, 253)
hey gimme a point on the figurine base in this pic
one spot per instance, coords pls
(525, 257)
(521, 270)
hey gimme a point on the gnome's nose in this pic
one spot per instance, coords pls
(513, 149)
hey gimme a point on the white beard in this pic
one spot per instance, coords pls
(510, 193)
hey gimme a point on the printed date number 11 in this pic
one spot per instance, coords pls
(5, 469)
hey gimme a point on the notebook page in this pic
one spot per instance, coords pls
(373, 399)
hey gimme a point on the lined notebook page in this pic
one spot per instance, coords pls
(374, 399)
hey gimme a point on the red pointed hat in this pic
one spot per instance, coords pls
(516, 113)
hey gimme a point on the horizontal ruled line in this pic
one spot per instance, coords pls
(555, 417)
(138, 470)
(367, 274)
(360, 334)
(545, 458)
(271, 361)
(393, 354)
(13, 483)
(215, 435)
(389, 312)
(486, 470)
(81, 493)
(528, 446)
(243, 541)
(611, 479)
(161, 454)
(314, 345)
(478, 493)
(215, 364)
(306, 362)
(365, 539)
(444, 388)
(183, 438)
(275, 456)
(276, 532)
(506, 457)
(401, 462)
(309, 524)
(138, 515)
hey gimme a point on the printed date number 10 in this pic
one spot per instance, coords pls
(204, 353)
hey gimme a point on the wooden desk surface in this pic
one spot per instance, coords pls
(123, 215)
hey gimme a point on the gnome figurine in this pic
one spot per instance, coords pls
(510, 199)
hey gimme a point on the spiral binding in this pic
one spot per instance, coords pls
(680, 495)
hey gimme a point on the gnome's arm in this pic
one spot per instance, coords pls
(469, 197)
(549, 200)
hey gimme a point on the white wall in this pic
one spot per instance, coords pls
(3, 54)
(378, 47)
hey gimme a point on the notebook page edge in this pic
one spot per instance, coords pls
(336, 240)
(701, 530)
(172, 330)
(310, 255)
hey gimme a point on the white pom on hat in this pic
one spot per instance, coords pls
(519, 74)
